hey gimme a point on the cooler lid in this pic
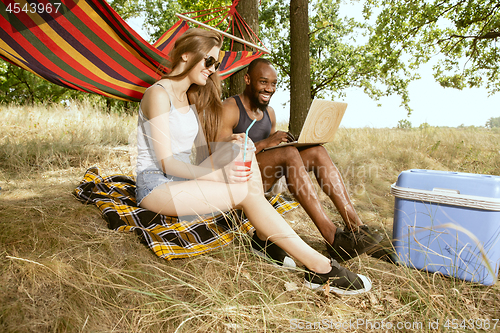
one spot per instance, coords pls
(450, 182)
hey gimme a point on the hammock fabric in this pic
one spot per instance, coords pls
(168, 237)
(85, 45)
(230, 61)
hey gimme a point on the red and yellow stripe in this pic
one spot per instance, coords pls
(87, 46)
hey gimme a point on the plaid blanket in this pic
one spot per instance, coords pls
(168, 237)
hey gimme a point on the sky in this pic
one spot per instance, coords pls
(430, 103)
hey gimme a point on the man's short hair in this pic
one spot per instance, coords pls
(257, 61)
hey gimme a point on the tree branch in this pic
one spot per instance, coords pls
(315, 31)
(445, 10)
(488, 35)
(325, 82)
(282, 67)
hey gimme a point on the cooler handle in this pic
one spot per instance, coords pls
(462, 200)
(445, 190)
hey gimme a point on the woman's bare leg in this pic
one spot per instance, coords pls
(202, 197)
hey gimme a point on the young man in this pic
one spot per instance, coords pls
(295, 163)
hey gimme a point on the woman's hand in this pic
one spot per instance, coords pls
(229, 156)
(236, 172)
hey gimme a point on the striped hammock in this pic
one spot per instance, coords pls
(230, 61)
(85, 45)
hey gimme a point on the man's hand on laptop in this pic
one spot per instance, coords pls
(278, 137)
(274, 140)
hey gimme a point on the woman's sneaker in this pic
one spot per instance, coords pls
(340, 280)
(350, 244)
(271, 252)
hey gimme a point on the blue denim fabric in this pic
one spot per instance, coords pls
(148, 180)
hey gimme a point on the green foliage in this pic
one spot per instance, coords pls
(344, 53)
(435, 146)
(463, 33)
(404, 124)
(470, 127)
(424, 126)
(338, 56)
(160, 15)
(20, 86)
(493, 122)
(126, 8)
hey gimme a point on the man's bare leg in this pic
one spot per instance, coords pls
(287, 161)
(317, 160)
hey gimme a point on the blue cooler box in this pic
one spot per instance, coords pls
(448, 222)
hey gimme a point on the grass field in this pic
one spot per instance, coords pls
(63, 270)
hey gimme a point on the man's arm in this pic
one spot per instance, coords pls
(230, 119)
(275, 137)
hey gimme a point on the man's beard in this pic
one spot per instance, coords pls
(256, 102)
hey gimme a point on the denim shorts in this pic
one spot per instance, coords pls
(148, 180)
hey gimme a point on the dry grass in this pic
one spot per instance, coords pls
(62, 270)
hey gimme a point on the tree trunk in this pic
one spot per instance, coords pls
(300, 72)
(249, 11)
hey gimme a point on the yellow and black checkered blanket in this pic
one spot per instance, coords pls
(168, 237)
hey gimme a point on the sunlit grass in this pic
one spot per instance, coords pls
(40, 138)
(63, 270)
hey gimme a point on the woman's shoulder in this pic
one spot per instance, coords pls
(155, 101)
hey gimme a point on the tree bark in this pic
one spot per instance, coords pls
(300, 69)
(249, 11)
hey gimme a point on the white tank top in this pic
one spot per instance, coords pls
(183, 130)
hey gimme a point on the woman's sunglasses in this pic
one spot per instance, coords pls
(209, 61)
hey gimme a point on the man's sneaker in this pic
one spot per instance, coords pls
(349, 244)
(340, 280)
(383, 251)
(271, 252)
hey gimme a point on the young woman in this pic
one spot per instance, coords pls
(183, 108)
